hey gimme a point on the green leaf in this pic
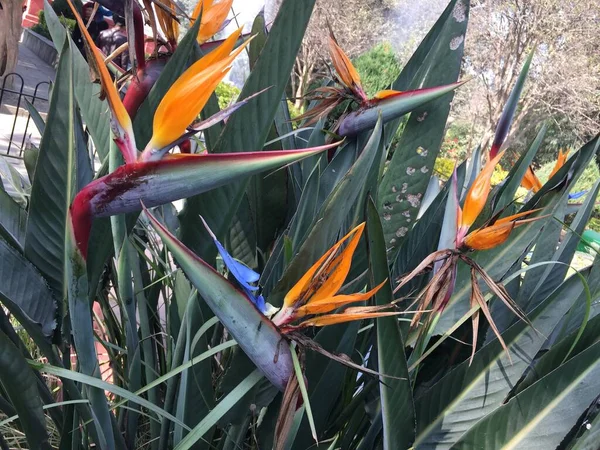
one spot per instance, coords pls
(507, 191)
(326, 378)
(403, 186)
(571, 345)
(23, 287)
(552, 275)
(35, 116)
(331, 217)
(55, 180)
(227, 403)
(247, 129)
(470, 392)
(20, 383)
(13, 220)
(195, 396)
(541, 416)
(82, 330)
(93, 109)
(102, 386)
(397, 408)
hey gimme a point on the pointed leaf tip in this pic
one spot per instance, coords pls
(508, 113)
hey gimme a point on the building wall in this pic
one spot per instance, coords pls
(30, 15)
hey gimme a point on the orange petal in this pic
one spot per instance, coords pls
(516, 216)
(489, 237)
(332, 319)
(494, 235)
(530, 181)
(343, 67)
(329, 304)
(182, 104)
(560, 161)
(213, 17)
(327, 275)
(118, 111)
(386, 94)
(168, 24)
(478, 193)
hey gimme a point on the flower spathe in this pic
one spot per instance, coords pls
(154, 177)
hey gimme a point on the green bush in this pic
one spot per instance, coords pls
(443, 167)
(456, 141)
(227, 93)
(378, 68)
(41, 27)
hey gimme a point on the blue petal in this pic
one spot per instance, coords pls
(242, 273)
(576, 195)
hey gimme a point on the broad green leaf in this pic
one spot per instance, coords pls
(241, 240)
(20, 383)
(55, 180)
(552, 275)
(403, 186)
(325, 378)
(470, 392)
(93, 109)
(39, 122)
(540, 417)
(81, 328)
(571, 345)
(397, 408)
(13, 220)
(331, 217)
(247, 129)
(507, 191)
(195, 396)
(591, 434)
(23, 287)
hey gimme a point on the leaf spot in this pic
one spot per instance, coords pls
(459, 12)
(410, 170)
(400, 232)
(456, 41)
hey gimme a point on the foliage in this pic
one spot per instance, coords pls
(378, 68)
(227, 94)
(42, 27)
(229, 298)
(457, 141)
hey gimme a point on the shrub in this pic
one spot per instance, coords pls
(227, 94)
(41, 27)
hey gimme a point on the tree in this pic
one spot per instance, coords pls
(11, 12)
(357, 25)
(564, 80)
(378, 68)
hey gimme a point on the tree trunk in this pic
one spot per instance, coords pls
(11, 13)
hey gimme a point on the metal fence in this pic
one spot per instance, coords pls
(14, 95)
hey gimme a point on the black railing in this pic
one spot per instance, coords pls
(18, 87)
